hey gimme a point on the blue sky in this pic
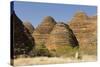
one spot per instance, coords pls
(35, 12)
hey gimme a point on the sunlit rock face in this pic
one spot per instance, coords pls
(61, 36)
(80, 16)
(85, 29)
(42, 31)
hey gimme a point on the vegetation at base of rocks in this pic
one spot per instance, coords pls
(37, 51)
(23, 51)
(65, 51)
(41, 50)
(22, 41)
(62, 51)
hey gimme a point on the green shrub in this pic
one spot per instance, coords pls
(65, 51)
(41, 50)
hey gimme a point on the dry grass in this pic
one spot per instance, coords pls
(52, 60)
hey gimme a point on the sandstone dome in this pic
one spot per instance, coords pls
(42, 31)
(61, 36)
(46, 26)
(85, 31)
(80, 16)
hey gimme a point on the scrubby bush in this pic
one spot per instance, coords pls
(65, 51)
(41, 50)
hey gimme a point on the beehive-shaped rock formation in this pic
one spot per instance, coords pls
(41, 32)
(79, 16)
(61, 36)
(29, 26)
(85, 31)
(22, 41)
(46, 26)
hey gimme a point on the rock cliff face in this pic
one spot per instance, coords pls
(22, 41)
(84, 28)
(42, 31)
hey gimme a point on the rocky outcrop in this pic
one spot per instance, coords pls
(46, 25)
(80, 16)
(61, 37)
(22, 41)
(29, 26)
(84, 28)
(54, 37)
(42, 31)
